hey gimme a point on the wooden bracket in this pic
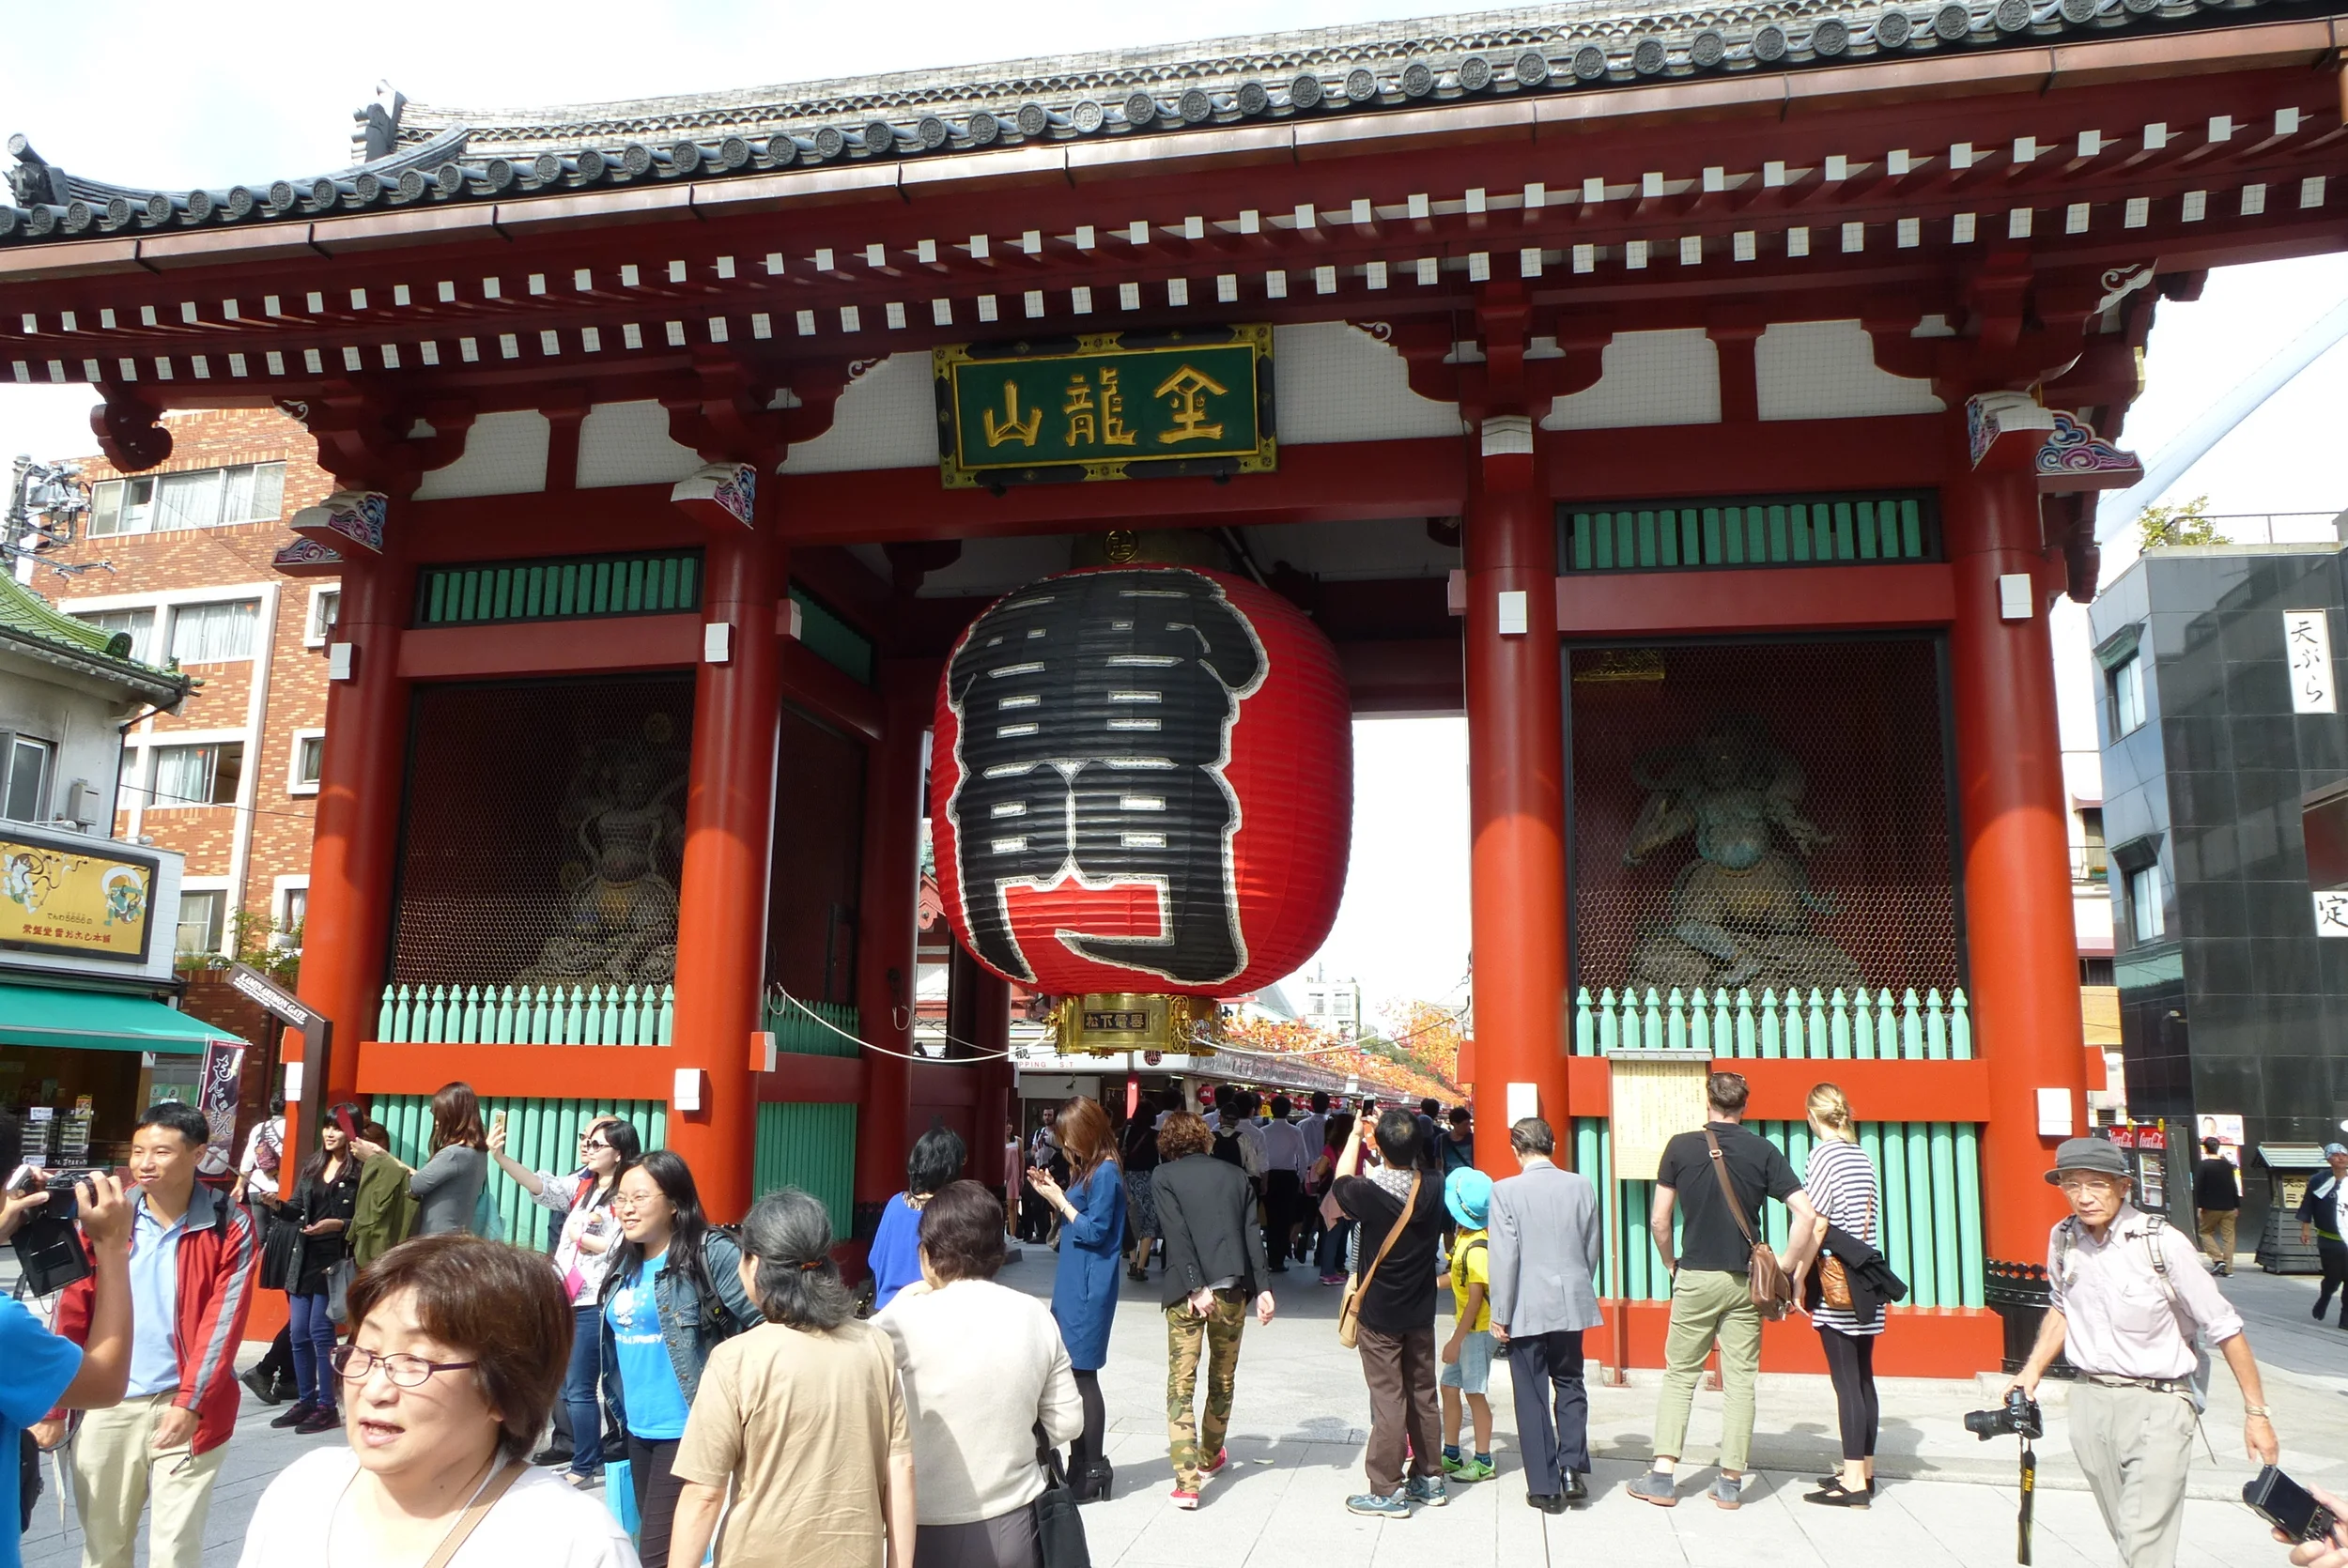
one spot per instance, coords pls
(364, 438)
(130, 431)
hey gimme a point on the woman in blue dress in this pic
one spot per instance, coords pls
(1084, 1291)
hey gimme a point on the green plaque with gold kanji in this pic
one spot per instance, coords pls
(1107, 405)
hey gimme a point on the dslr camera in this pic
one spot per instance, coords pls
(48, 1251)
(2018, 1417)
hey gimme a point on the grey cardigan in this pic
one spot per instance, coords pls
(446, 1189)
(1546, 1251)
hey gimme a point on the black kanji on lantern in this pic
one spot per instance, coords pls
(1095, 714)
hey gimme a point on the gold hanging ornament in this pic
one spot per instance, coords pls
(1101, 1023)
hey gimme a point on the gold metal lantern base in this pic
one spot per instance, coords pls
(1103, 1023)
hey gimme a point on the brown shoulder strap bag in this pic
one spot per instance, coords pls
(1350, 1314)
(1772, 1291)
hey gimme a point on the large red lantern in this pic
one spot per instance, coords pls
(1142, 782)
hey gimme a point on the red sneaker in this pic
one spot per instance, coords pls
(1214, 1466)
(1186, 1500)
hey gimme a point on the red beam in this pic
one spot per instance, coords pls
(1772, 599)
(551, 648)
(1397, 679)
(946, 1083)
(525, 1071)
(1917, 1342)
(1315, 484)
(1879, 1091)
(1903, 450)
(819, 686)
(813, 1080)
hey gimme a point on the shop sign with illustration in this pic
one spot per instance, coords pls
(59, 901)
(1107, 405)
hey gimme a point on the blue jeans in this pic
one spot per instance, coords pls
(580, 1391)
(1333, 1248)
(313, 1334)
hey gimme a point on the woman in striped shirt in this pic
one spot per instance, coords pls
(1841, 1181)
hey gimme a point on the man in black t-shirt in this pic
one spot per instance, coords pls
(1395, 1333)
(1712, 1280)
(2217, 1204)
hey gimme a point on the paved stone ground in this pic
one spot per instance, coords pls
(1298, 1430)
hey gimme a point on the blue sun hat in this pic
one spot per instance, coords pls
(1468, 1193)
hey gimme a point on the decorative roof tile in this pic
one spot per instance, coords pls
(28, 620)
(411, 154)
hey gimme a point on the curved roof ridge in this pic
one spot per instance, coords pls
(32, 618)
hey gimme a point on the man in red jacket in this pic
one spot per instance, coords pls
(192, 1253)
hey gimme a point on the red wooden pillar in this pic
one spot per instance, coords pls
(355, 837)
(2021, 944)
(1516, 788)
(729, 828)
(886, 934)
(997, 1076)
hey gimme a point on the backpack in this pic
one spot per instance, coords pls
(717, 1322)
(1227, 1147)
(2190, 1330)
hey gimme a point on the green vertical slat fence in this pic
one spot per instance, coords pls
(1762, 532)
(797, 1035)
(527, 1015)
(811, 1147)
(1819, 1026)
(541, 1135)
(652, 582)
(1928, 1174)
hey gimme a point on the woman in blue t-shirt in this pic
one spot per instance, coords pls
(674, 1293)
(896, 1255)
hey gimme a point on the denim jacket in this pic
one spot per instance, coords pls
(690, 1338)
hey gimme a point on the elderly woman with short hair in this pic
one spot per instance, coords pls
(974, 1415)
(801, 1416)
(458, 1348)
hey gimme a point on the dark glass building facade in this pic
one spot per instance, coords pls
(2231, 1002)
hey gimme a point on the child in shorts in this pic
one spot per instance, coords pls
(1467, 1356)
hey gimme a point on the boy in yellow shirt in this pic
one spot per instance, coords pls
(1467, 1357)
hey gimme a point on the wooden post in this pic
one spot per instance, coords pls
(885, 935)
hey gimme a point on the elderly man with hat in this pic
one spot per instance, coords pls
(1546, 1251)
(2324, 1211)
(2129, 1298)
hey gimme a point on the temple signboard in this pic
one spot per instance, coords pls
(95, 905)
(1106, 405)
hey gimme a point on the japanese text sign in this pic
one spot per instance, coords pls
(2307, 654)
(1107, 405)
(93, 904)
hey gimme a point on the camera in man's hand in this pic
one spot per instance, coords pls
(2018, 1417)
(48, 1252)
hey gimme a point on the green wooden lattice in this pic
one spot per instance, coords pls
(649, 582)
(541, 1135)
(1766, 531)
(811, 1147)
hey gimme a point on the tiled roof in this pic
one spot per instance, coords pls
(29, 622)
(426, 156)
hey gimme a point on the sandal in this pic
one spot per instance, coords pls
(1835, 1495)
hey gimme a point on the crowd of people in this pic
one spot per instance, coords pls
(756, 1410)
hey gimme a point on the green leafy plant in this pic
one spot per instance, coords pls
(2160, 527)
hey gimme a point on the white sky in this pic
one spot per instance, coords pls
(199, 95)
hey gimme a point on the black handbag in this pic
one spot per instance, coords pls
(1059, 1529)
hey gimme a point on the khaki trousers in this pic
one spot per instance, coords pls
(1709, 1307)
(117, 1472)
(2216, 1227)
(2134, 1445)
(1400, 1370)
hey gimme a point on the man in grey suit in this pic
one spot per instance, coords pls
(1546, 1253)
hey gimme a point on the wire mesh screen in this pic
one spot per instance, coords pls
(542, 832)
(1761, 815)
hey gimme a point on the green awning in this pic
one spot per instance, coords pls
(98, 1020)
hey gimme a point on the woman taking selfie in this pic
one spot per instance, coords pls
(583, 1251)
(448, 1188)
(317, 1216)
(672, 1295)
(1084, 1287)
(457, 1348)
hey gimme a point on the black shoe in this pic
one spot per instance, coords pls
(296, 1416)
(1548, 1502)
(553, 1453)
(2323, 1305)
(1577, 1488)
(1837, 1480)
(1093, 1483)
(1840, 1496)
(264, 1387)
(324, 1419)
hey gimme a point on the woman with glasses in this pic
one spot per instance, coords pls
(458, 1346)
(316, 1216)
(582, 1255)
(799, 1418)
(673, 1294)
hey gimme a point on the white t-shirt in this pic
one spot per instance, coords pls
(540, 1521)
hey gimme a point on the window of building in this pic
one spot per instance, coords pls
(197, 774)
(2146, 918)
(293, 909)
(201, 498)
(326, 610)
(25, 794)
(2094, 859)
(203, 916)
(2127, 696)
(309, 751)
(140, 623)
(202, 633)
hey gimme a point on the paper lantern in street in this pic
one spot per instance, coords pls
(1141, 782)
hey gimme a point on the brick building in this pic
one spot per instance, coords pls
(230, 780)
